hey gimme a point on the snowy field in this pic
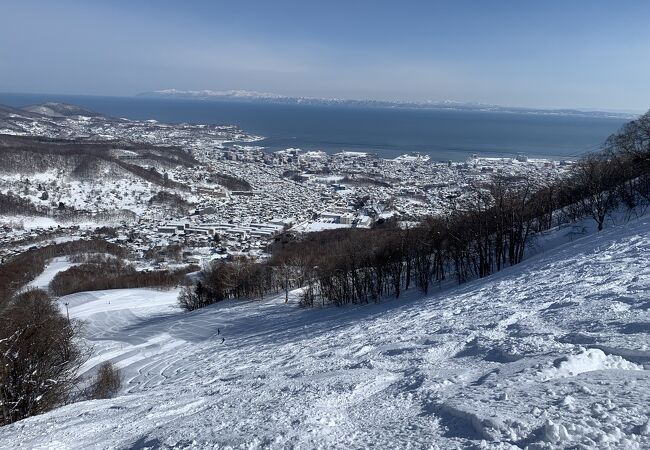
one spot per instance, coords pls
(27, 222)
(547, 354)
(53, 267)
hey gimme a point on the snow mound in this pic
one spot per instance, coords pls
(588, 360)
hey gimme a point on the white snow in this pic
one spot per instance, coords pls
(351, 154)
(534, 356)
(320, 226)
(28, 222)
(587, 361)
(53, 267)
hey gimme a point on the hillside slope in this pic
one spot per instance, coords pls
(547, 354)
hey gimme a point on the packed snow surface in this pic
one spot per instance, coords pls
(27, 222)
(547, 354)
(52, 268)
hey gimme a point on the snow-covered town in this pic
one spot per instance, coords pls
(234, 198)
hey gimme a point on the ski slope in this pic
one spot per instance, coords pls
(548, 354)
(52, 268)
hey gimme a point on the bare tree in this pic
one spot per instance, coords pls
(39, 356)
(596, 181)
(633, 140)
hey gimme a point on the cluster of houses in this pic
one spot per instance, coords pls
(238, 191)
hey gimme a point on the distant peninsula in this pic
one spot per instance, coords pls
(265, 97)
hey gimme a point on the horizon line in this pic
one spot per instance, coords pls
(433, 103)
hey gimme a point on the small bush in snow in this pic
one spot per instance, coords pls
(107, 382)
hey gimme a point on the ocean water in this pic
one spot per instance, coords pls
(388, 132)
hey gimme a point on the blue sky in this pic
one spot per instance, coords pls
(579, 53)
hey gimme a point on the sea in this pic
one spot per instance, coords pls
(443, 134)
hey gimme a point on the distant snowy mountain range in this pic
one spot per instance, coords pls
(265, 97)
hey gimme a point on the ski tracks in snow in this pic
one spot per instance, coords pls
(547, 354)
